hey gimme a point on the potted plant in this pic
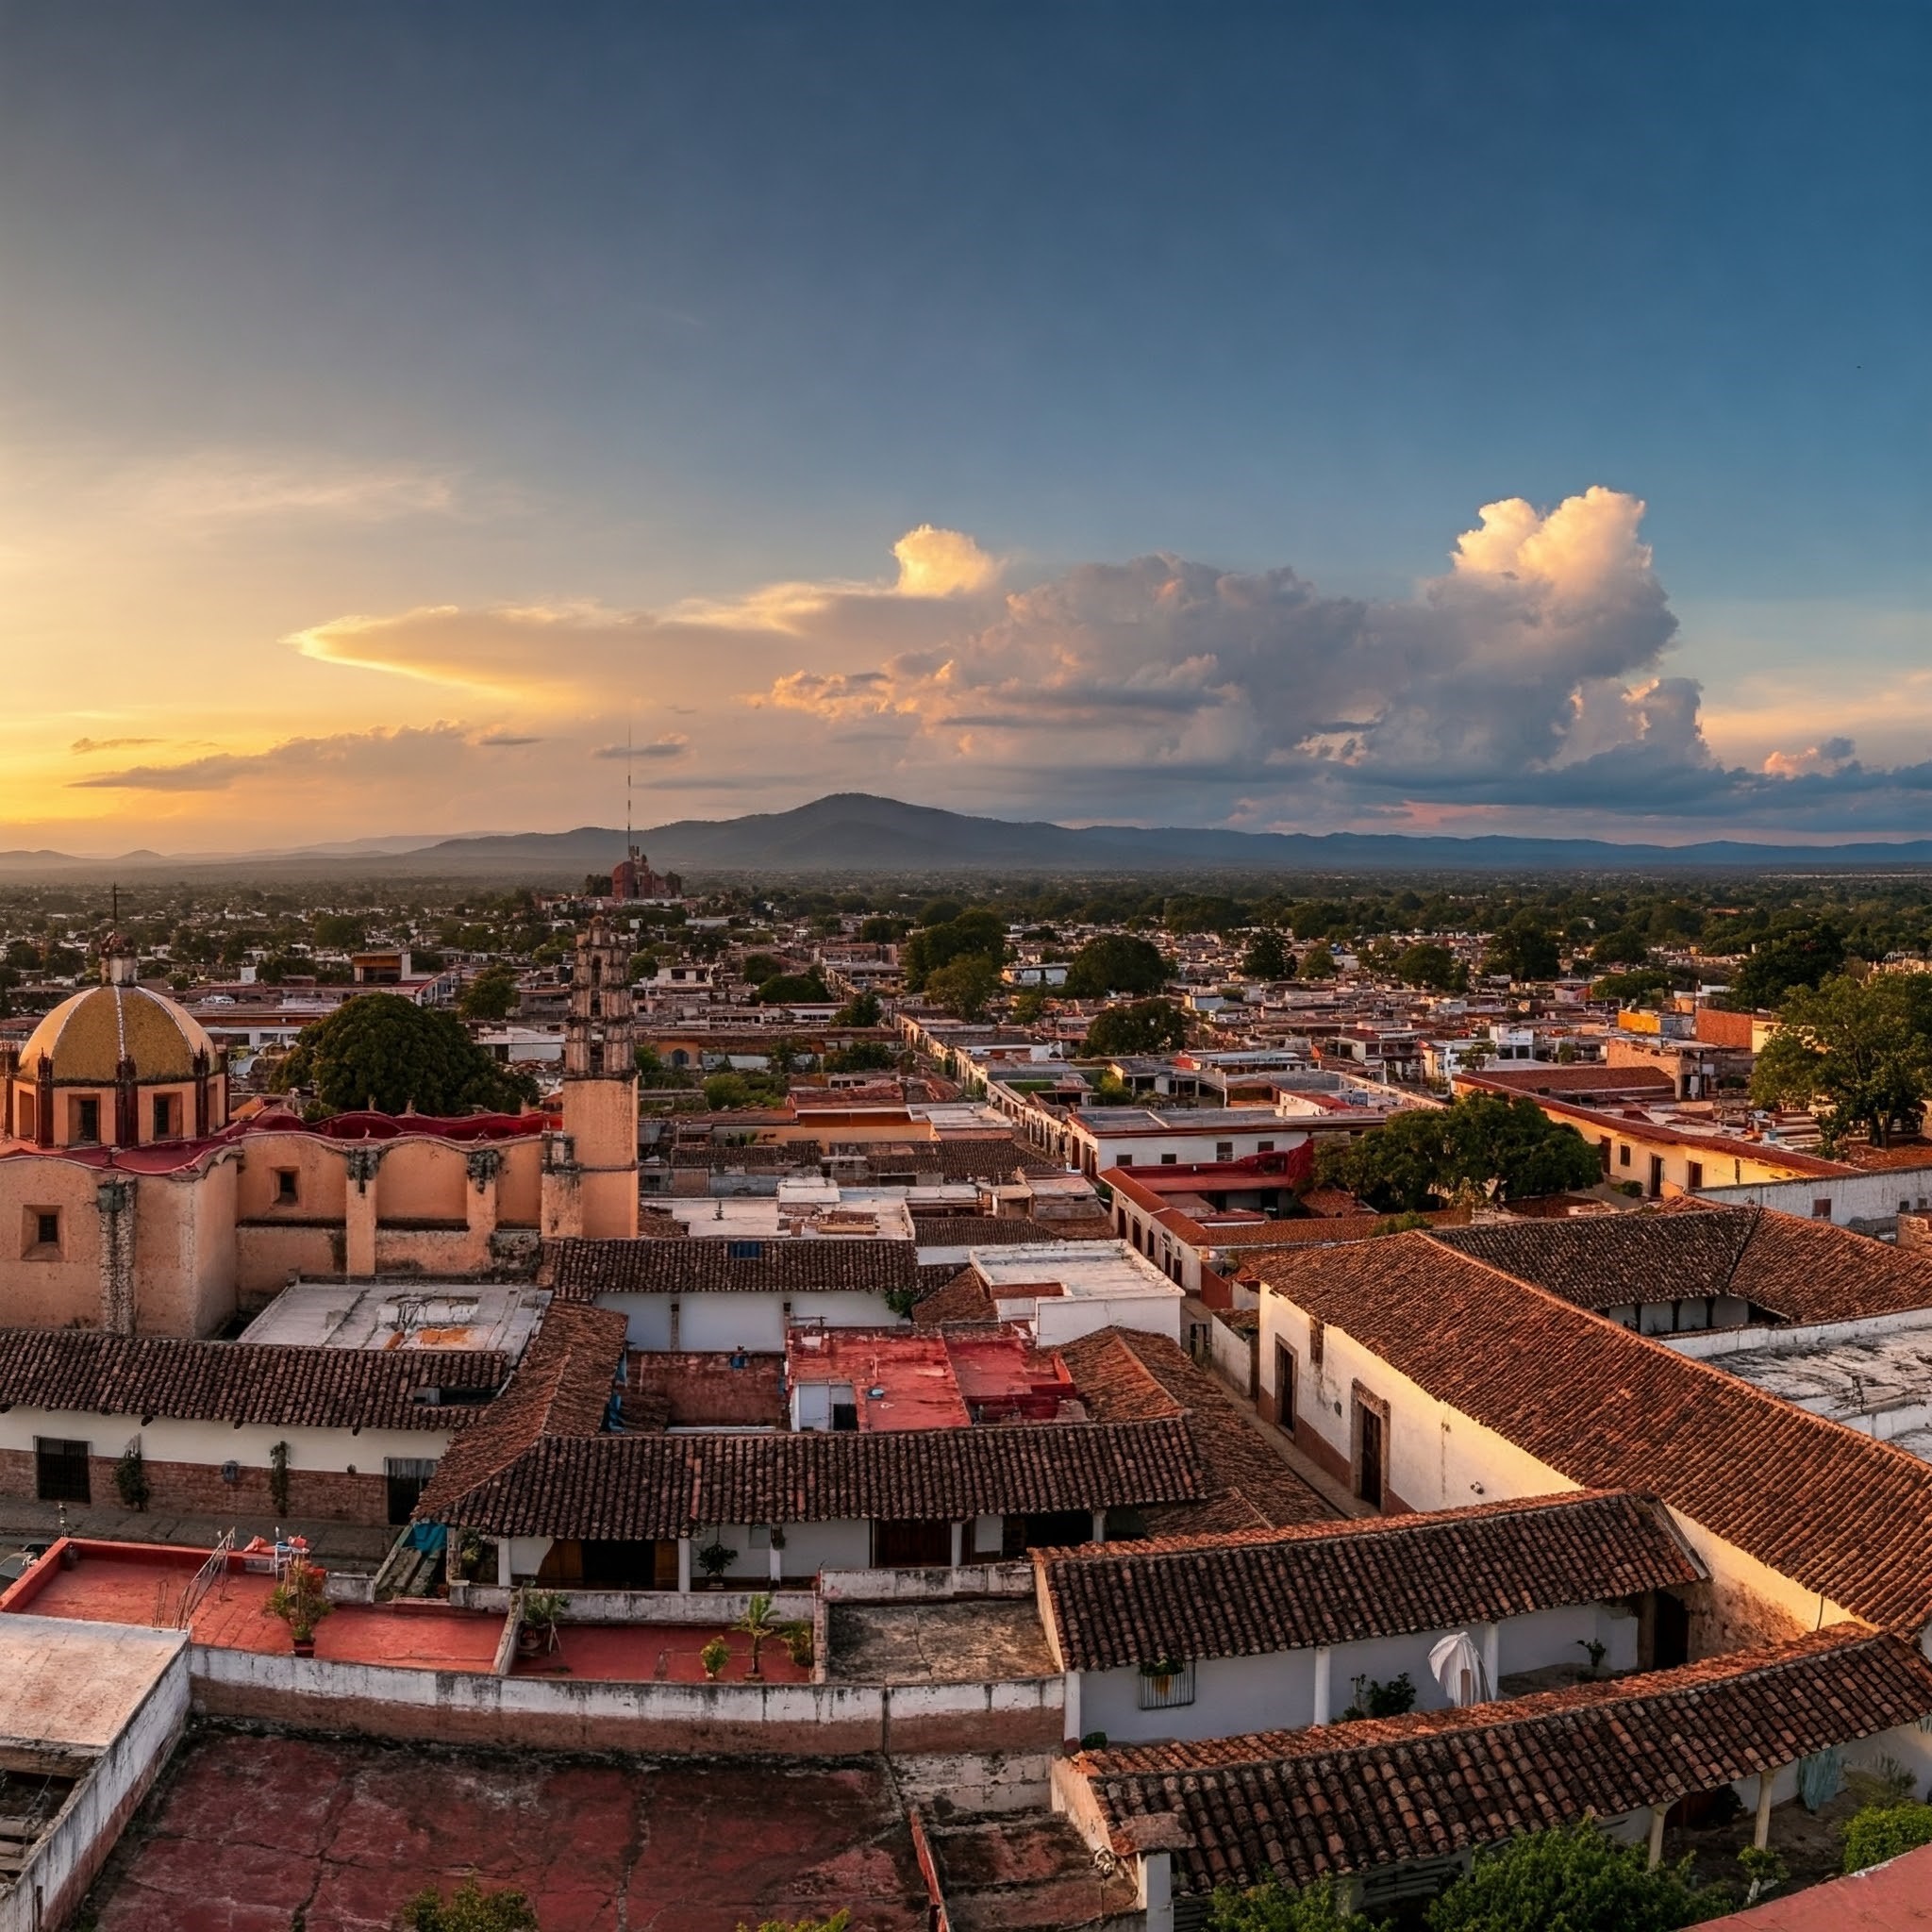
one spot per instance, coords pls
(301, 1601)
(756, 1623)
(1160, 1673)
(1596, 1652)
(714, 1657)
(543, 1609)
(797, 1640)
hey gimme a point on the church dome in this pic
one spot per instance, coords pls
(87, 1037)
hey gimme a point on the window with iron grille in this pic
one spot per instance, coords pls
(1164, 1689)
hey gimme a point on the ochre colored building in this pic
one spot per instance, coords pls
(130, 1201)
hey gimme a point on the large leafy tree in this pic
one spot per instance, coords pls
(940, 943)
(491, 995)
(1266, 957)
(1115, 962)
(1485, 1143)
(1573, 1877)
(1432, 967)
(1864, 1046)
(380, 1049)
(1799, 955)
(1145, 1026)
(964, 987)
(1524, 949)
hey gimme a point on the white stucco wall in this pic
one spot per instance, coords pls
(752, 1321)
(212, 1443)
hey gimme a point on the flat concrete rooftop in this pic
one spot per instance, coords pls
(1879, 1384)
(966, 1640)
(73, 1686)
(394, 1314)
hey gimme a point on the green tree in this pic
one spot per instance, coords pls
(1318, 962)
(1432, 967)
(1266, 957)
(1487, 1143)
(1630, 989)
(491, 995)
(1145, 1026)
(759, 967)
(861, 1057)
(1865, 1047)
(1510, 1150)
(1799, 955)
(964, 987)
(792, 988)
(1523, 949)
(1116, 962)
(1273, 1907)
(380, 1049)
(1623, 947)
(979, 933)
(861, 1010)
(469, 1908)
(1572, 1878)
(1029, 1004)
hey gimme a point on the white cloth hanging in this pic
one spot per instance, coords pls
(1457, 1666)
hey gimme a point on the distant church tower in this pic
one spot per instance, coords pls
(591, 1169)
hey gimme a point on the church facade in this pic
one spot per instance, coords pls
(131, 1201)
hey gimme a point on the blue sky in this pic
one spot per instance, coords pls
(566, 333)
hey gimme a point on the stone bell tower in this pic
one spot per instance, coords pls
(590, 1170)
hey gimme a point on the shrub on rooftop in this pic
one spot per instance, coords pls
(1273, 1907)
(1885, 1831)
(469, 1908)
(1575, 1877)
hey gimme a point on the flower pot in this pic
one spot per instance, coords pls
(305, 1646)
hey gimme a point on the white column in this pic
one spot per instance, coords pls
(1155, 1888)
(1324, 1659)
(1100, 1525)
(777, 1564)
(958, 1545)
(1492, 1659)
(684, 1565)
(503, 1576)
(1069, 1708)
(1761, 1834)
(1656, 1835)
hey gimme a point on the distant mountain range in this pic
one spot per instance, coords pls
(855, 832)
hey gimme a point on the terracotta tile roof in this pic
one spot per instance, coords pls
(985, 1230)
(1610, 1409)
(581, 1270)
(960, 1297)
(563, 1387)
(1257, 1592)
(1304, 1806)
(1797, 1270)
(282, 1385)
(1565, 1081)
(1123, 1374)
(992, 1157)
(622, 1488)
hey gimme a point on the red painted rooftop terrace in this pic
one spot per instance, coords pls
(146, 1584)
(891, 1380)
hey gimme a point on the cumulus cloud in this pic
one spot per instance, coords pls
(1531, 674)
(1833, 755)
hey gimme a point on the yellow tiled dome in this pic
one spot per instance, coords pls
(87, 1037)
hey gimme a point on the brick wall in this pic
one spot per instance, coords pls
(197, 1488)
(702, 1387)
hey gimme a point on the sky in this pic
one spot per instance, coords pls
(415, 419)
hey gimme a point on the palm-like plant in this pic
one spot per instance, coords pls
(758, 1625)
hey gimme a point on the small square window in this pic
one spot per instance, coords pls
(1223, 1149)
(1623, 1155)
(46, 1226)
(745, 1250)
(285, 1187)
(86, 1121)
(1170, 1159)
(167, 1116)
